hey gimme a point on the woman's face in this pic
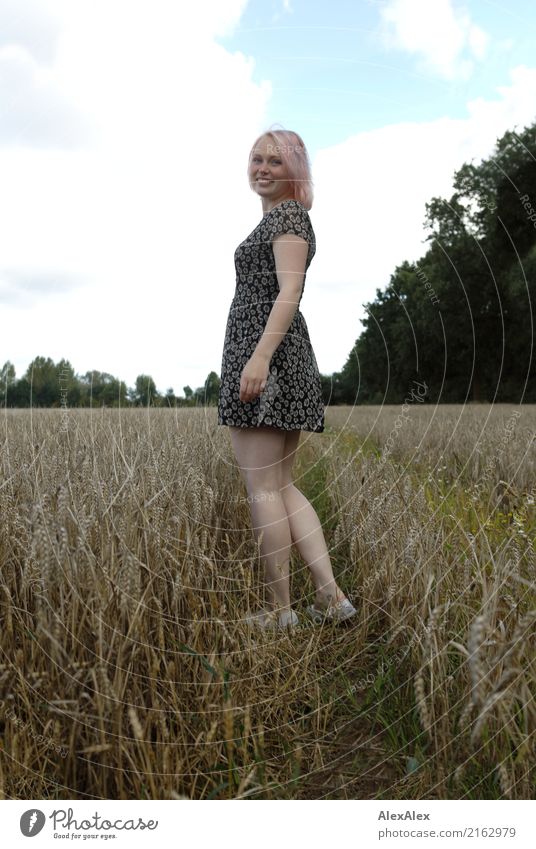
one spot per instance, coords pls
(267, 174)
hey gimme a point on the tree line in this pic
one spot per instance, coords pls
(49, 384)
(459, 321)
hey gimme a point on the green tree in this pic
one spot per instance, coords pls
(170, 399)
(41, 374)
(7, 381)
(461, 317)
(211, 389)
(145, 393)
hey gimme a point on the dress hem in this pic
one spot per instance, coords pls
(276, 427)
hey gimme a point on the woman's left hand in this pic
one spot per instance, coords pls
(254, 377)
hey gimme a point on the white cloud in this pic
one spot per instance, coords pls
(19, 286)
(140, 213)
(34, 112)
(31, 24)
(444, 37)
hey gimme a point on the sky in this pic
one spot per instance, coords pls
(125, 127)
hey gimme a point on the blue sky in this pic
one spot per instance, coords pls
(333, 74)
(123, 148)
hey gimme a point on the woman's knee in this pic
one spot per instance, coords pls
(257, 484)
(262, 496)
(287, 487)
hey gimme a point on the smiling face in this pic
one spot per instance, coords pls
(267, 173)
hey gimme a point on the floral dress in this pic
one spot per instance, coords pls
(292, 398)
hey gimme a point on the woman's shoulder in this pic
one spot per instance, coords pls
(288, 216)
(287, 212)
(289, 203)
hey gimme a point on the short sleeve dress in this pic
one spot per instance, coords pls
(292, 398)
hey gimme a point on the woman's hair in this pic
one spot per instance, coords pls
(290, 147)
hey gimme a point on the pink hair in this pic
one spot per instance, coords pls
(293, 153)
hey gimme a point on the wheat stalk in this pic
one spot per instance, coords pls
(421, 702)
(476, 666)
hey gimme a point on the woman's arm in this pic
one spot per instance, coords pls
(290, 254)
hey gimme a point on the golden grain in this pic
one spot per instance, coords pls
(135, 723)
(420, 698)
(476, 664)
(483, 715)
(504, 781)
(127, 566)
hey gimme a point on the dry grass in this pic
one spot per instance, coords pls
(128, 561)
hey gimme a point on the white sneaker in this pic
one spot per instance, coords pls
(334, 613)
(267, 620)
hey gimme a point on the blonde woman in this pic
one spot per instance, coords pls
(270, 384)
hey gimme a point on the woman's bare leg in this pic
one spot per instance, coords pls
(305, 528)
(258, 451)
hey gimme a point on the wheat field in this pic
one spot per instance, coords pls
(128, 561)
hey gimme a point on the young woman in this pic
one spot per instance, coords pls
(270, 384)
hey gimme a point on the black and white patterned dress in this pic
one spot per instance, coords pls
(292, 398)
